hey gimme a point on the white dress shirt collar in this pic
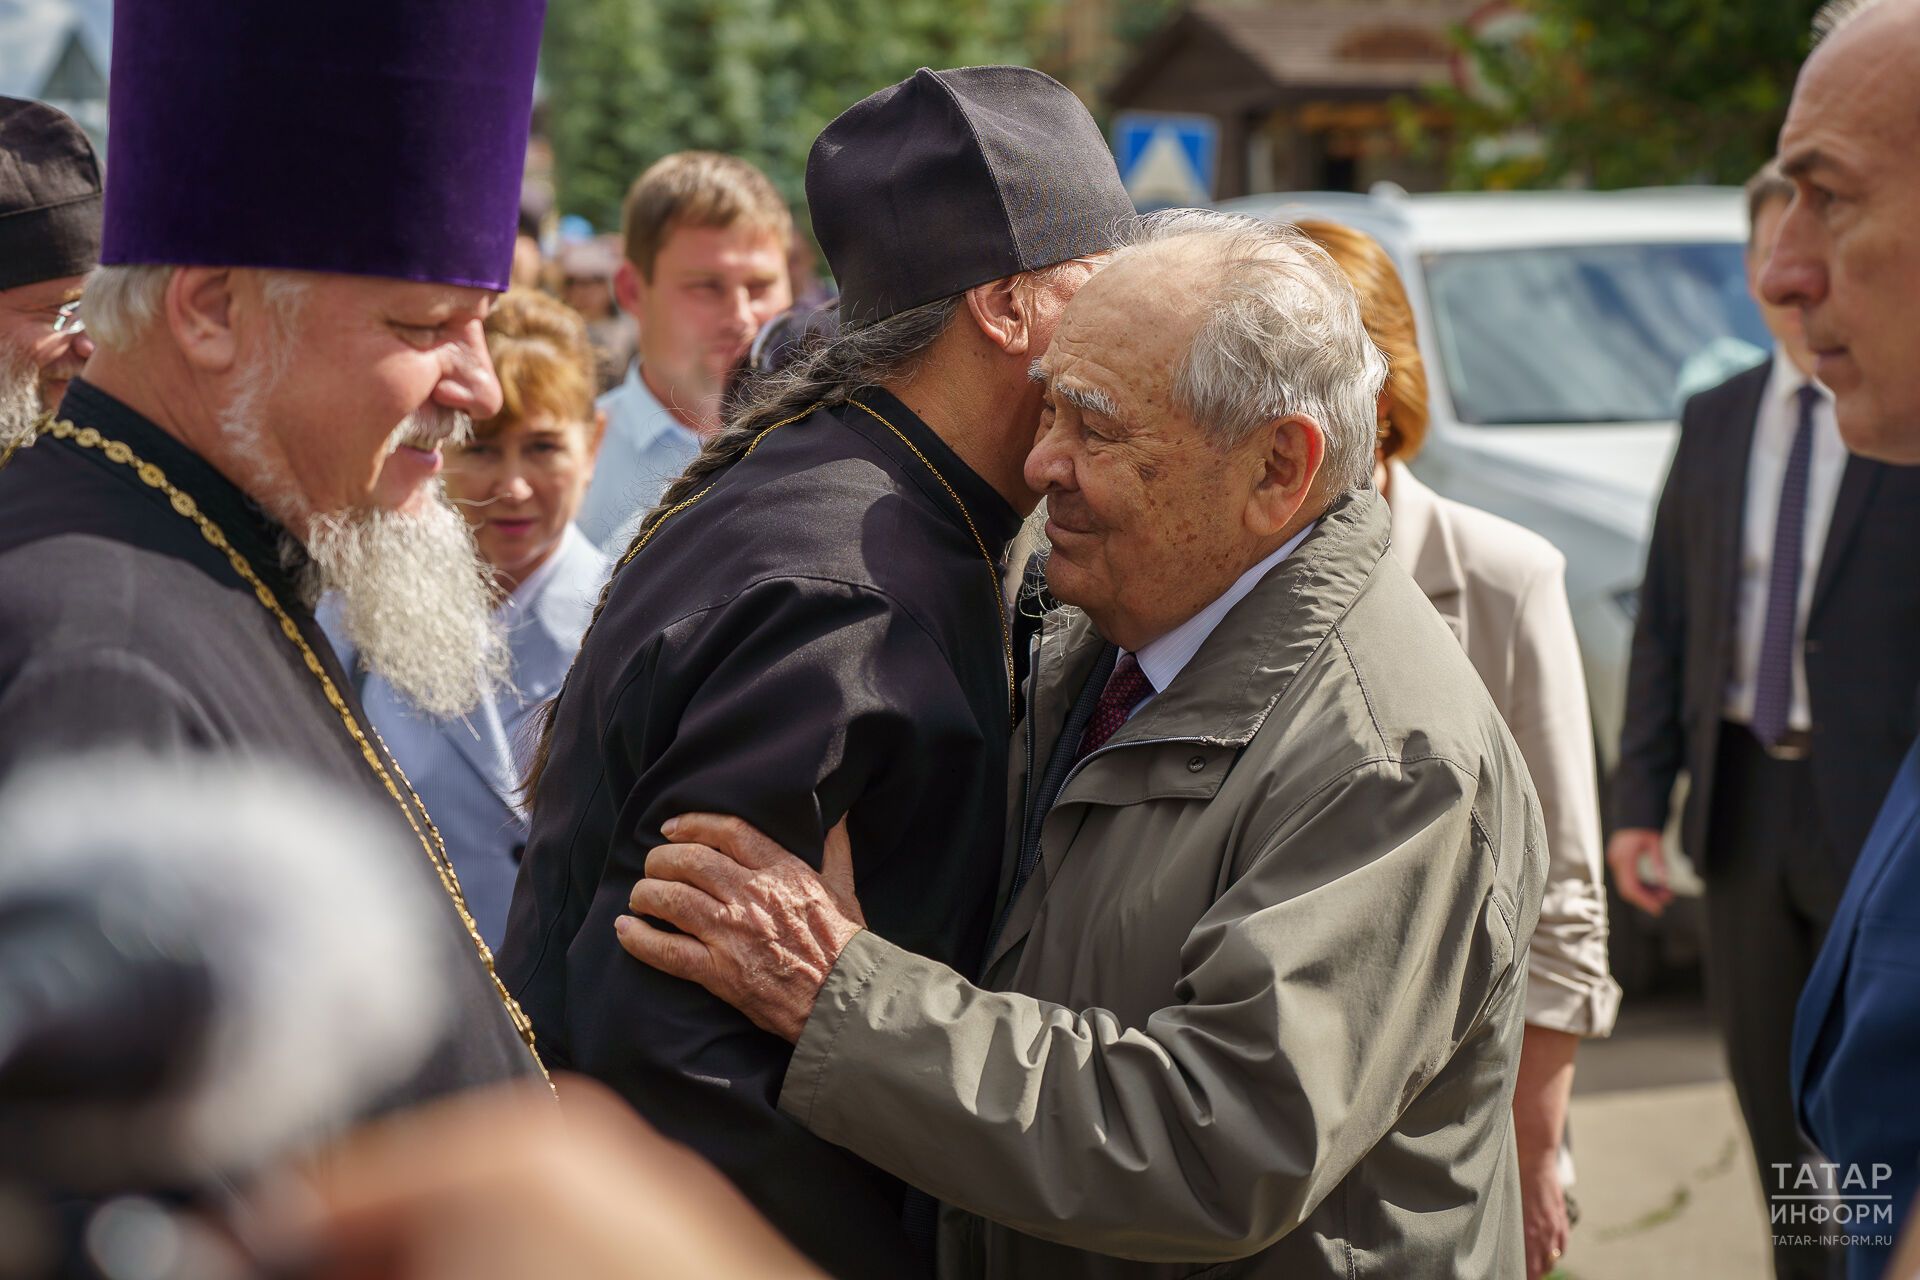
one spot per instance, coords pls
(1162, 660)
(641, 411)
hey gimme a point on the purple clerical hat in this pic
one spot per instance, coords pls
(369, 137)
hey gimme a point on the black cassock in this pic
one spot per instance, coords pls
(819, 632)
(120, 624)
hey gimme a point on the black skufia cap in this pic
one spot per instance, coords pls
(951, 179)
(49, 195)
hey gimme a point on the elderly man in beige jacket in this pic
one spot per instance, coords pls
(1256, 993)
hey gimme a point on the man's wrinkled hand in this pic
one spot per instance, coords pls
(759, 928)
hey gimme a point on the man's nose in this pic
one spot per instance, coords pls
(1794, 275)
(468, 383)
(743, 312)
(82, 347)
(1047, 466)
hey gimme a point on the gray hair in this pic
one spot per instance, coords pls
(121, 301)
(1282, 336)
(1836, 14)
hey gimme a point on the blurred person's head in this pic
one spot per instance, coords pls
(49, 240)
(1388, 317)
(520, 479)
(704, 241)
(529, 263)
(803, 269)
(788, 338)
(1208, 394)
(529, 259)
(1845, 253)
(1769, 193)
(307, 315)
(587, 270)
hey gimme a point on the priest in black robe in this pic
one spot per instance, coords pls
(813, 625)
(309, 210)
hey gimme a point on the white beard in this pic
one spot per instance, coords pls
(415, 602)
(416, 599)
(1030, 541)
(19, 400)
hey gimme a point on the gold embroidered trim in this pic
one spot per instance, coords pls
(993, 568)
(429, 837)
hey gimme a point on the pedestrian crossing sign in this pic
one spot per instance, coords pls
(1167, 160)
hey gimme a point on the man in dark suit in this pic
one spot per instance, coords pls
(1774, 661)
(1847, 257)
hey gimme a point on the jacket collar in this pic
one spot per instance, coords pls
(545, 619)
(549, 614)
(1245, 667)
(989, 512)
(1423, 542)
(253, 533)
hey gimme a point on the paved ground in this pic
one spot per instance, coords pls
(1667, 1186)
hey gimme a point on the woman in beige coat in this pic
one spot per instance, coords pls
(1502, 590)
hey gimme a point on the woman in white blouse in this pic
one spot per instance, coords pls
(1502, 589)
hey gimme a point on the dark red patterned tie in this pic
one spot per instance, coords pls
(1126, 686)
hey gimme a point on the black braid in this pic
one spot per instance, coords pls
(824, 374)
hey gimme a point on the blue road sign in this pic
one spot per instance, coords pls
(1166, 159)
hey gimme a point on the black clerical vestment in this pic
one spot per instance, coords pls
(819, 633)
(121, 625)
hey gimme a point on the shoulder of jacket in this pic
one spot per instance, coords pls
(1495, 550)
(1712, 408)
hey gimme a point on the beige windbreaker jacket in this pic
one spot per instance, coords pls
(1257, 1013)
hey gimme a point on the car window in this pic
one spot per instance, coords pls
(1589, 333)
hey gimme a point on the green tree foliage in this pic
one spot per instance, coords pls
(629, 81)
(1617, 93)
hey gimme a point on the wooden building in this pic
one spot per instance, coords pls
(1305, 91)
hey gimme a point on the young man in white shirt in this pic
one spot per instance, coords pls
(704, 238)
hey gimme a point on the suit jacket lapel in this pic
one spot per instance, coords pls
(481, 740)
(1423, 543)
(1857, 484)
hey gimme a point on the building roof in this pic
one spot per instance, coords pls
(1382, 46)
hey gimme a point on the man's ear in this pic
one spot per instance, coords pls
(199, 309)
(596, 435)
(1004, 313)
(627, 287)
(1290, 452)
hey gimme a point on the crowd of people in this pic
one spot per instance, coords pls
(1000, 772)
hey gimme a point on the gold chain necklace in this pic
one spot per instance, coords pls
(993, 569)
(429, 835)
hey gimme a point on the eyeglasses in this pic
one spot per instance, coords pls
(67, 321)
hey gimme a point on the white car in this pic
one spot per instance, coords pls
(1562, 331)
